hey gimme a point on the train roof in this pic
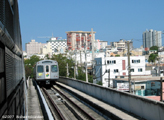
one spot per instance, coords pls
(46, 62)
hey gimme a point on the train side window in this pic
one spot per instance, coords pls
(54, 68)
(40, 68)
(47, 68)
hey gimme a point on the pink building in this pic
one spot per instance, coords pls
(76, 39)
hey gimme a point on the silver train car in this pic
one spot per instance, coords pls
(46, 71)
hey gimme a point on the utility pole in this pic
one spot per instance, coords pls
(67, 70)
(101, 75)
(80, 59)
(159, 66)
(108, 77)
(133, 86)
(75, 72)
(92, 50)
(75, 66)
(161, 90)
(129, 72)
(86, 72)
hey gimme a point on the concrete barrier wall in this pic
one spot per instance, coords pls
(143, 107)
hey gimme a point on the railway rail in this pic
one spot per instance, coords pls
(65, 107)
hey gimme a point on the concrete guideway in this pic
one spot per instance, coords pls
(34, 108)
(136, 105)
(37, 108)
(78, 108)
(109, 110)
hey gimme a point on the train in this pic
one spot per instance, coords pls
(46, 72)
(12, 72)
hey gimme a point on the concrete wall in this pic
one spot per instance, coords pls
(143, 107)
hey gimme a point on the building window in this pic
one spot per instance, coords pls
(106, 79)
(135, 61)
(111, 61)
(115, 70)
(114, 61)
(152, 84)
(132, 70)
(142, 87)
(121, 76)
(139, 69)
(106, 71)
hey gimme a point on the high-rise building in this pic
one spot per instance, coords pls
(76, 39)
(152, 38)
(57, 45)
(33, 47)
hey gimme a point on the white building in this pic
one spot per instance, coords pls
(24, 53)
(122, 44)
(57, 45)
(99, 44)
(46, 49)
(118, 67)
(152, 38)
(41, 56)
(34, 47)
(81, 60)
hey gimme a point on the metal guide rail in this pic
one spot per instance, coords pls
(66, 107)
(60, 116)
(74, 104)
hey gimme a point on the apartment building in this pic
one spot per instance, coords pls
(80, 58)
(100, 44)
(122, 44)
(34, 47)
(152, 38)
(57, 45)
(118, 66)
(46, 49)
(77, 39)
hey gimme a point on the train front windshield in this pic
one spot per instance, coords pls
(40, 69)
(54, 68)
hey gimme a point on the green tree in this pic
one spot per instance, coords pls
(117, 55)
(82, 75)
(34, 59)
(47, 56)
(90, 78)
(154, 48)
(99, 83)
(29, 65)
(62, 62)
(152, 57)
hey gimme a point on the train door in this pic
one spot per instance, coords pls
(47, 73)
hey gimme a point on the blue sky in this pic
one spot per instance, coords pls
(111, 19)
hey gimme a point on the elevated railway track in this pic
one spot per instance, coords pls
(65, 106)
